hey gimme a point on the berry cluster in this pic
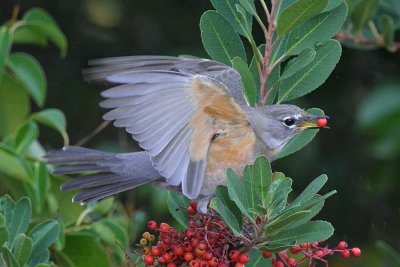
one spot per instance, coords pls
(206, 242)
(311, 252)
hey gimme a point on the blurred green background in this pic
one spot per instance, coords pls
(360, 152)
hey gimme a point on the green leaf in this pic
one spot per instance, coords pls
(9, 258)
(301, 139)
(229, 212)
(318, 29)
(388, 251)
(5, 45)
(102, 207)
(222, 204)
(387, 29)
(39, 259)
(249, 88)
(297, 13)
(362, 12)
(42, 23)
(310, 190)
(13, 165)
(21, 218)
(313, 75)
(282, 222)
(298, 63)
(227, 8)
(176, 205)
(257, 180)
(245, 20)
(38, 187)
(219, 39)
(22, 248)
(53, 118)
(332, 4)
(85, 251)
(29, 72)
(28, 35)
(237, 193)
(249, 6)
(279, 191)
(3, 230)
(43, 235)
(314, 206)
(26, 135)
(309, 232)
(14, 105)
(110, 231)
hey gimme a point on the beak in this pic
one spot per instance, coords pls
(311, 125)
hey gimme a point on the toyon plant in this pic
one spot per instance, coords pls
(251, 221)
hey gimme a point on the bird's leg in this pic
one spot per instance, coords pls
(202, 204)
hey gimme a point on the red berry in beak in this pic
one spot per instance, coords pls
(322, 122)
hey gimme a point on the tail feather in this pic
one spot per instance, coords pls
(108, 173)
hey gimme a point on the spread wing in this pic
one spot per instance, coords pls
(170, 113)
(184, 64)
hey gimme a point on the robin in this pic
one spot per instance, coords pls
(192, 120)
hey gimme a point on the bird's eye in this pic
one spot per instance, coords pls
(289, 121)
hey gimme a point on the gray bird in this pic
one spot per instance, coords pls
(192, 120)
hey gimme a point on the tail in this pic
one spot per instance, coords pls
(108, 173)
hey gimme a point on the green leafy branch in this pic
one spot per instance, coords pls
(17, 246)
(372, 24)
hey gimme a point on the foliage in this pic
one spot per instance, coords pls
(298, 55)
(18, 246)
(371, 24)
(75, 234)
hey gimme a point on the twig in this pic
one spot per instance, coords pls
(269, 46)
(15, 12)
(282, 260)
(93, 133)
(264, 5)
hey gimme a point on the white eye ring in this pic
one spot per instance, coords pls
(289, 122)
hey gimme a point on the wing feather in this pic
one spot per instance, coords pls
(168, 109)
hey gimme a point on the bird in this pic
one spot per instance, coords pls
(190, 117)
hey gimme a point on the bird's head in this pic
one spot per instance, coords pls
(276, 125)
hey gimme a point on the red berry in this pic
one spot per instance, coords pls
(167, 257)
(179, 251)
(207, 256)
(171, 264)
(292, 262)
(191, 211)
(155, 251)
(283, 254)
(234, 255)
(279, 264)
(345, 254)
(314, 244)
(304, 246)
(194, 242)
(267, 254)
(295, 249)
(164, 227)
(161, 260)
(239, 264)
(188, 256)
(149, 259)
(356, 252)
(152, 225)
(204, 264)
(318, 253)
(322, 122)
(213, 262)
(244, 258)
(194, 263)
(193, 205)
(342, 245)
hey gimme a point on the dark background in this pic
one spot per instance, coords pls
(366, 208)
